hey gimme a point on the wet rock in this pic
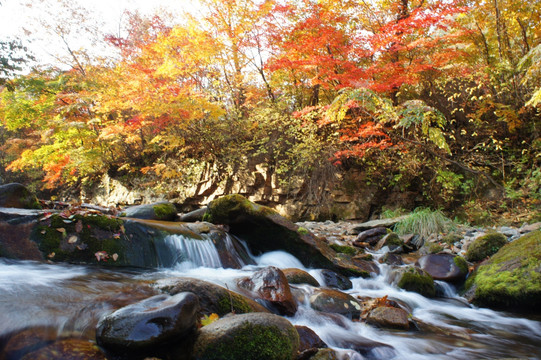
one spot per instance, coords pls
(334, 301)
(389, 317)
(366, 267)
(149, 324)
(16, 195)
(193, 216)
(265, 230)
(270, 285)
(309, 339)
(444, 267)
(158, 211)
(25, 341)
(298, 276)
(511, 278)
(254, 336)
(368, 348)
(413, 279)
(381, 223)
(485, 246)
(530, 227)
(392, 241)
(371, 236)
(335, 280)
(67, 349)
(391, 259)
(212, 298)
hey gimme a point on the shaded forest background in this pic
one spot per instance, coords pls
(439, 98)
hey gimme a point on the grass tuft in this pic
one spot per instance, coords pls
(424, 222)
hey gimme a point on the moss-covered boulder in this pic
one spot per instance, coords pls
(158, 211)
(510, 279)
(255, 336)
(212, 298)
(485, 246)
(15, 195)
(265, 230)
(414, 279)
(337, 302)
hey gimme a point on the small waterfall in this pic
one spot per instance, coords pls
(191, 253)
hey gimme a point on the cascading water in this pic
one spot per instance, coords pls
(71, 298)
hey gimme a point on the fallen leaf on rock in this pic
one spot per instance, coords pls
(79, 226)
(73, 239)
(115, 256)
(101, 255)
(51, 255)
(61, 230)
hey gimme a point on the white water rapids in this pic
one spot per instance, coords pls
(72, 298)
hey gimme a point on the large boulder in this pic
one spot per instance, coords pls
(254, 336)
(444, 267)
(485, 246)
(164, 211)
(270, 286)
(265, 230)
(15, 195)
(510, 279)
(389, 317)
(212, 298)
(148, 325)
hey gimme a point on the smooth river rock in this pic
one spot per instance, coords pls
(444, 267)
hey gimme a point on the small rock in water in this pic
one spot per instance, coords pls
(444, 267)
(335, 280)
(149, 324)
(298, 276)
(334, 301)
(389, 317)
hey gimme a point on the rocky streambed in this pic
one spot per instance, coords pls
(246, 283)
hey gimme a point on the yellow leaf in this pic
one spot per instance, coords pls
(209, 319)
(72, 239)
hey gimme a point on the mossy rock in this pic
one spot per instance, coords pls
(255, 336)
(416, 280)
(265, 230)
(164, 211)
(485, 246)
(344, 249)
(212, 298)
(16, 195)
(298, 276)
(510, 279)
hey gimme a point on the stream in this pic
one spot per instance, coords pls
(70, 299)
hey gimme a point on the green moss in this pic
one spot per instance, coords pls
(485, 246)
(77, 239)
(434, 248)
(302, 231)
(461, 264)
(349, 250)
(512, 277)
(228, 207)
(255, 342)
(451, 238)
(165, 211)
(239, 305)
(393, 239)
(358, 273)
(418, 281)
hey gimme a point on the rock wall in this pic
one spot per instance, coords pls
(343, 195)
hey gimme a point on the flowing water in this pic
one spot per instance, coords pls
(70, 299)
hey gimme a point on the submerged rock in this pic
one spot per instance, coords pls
(270, 285)
(309, 339)
(164, 211)
(16, 195)
(15, 346)
(212, 298)
(254, 336)
(148, 325)
(510, 279)
(67, 349)
(298, 276)
(334, 301)
(444, 267)
(265, 230)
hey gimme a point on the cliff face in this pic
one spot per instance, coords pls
(340, 195)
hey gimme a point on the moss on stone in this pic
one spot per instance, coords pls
(485, 246)
(393, 239)
(434, 248)
(343, 249)
(223, 209)
(461, 264)
(253, 341)
(451, 238)
(414, 279)
(303, 231)
(239, 305)
(165, 211)
(512, 277)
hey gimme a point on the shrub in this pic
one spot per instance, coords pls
(424, 222)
